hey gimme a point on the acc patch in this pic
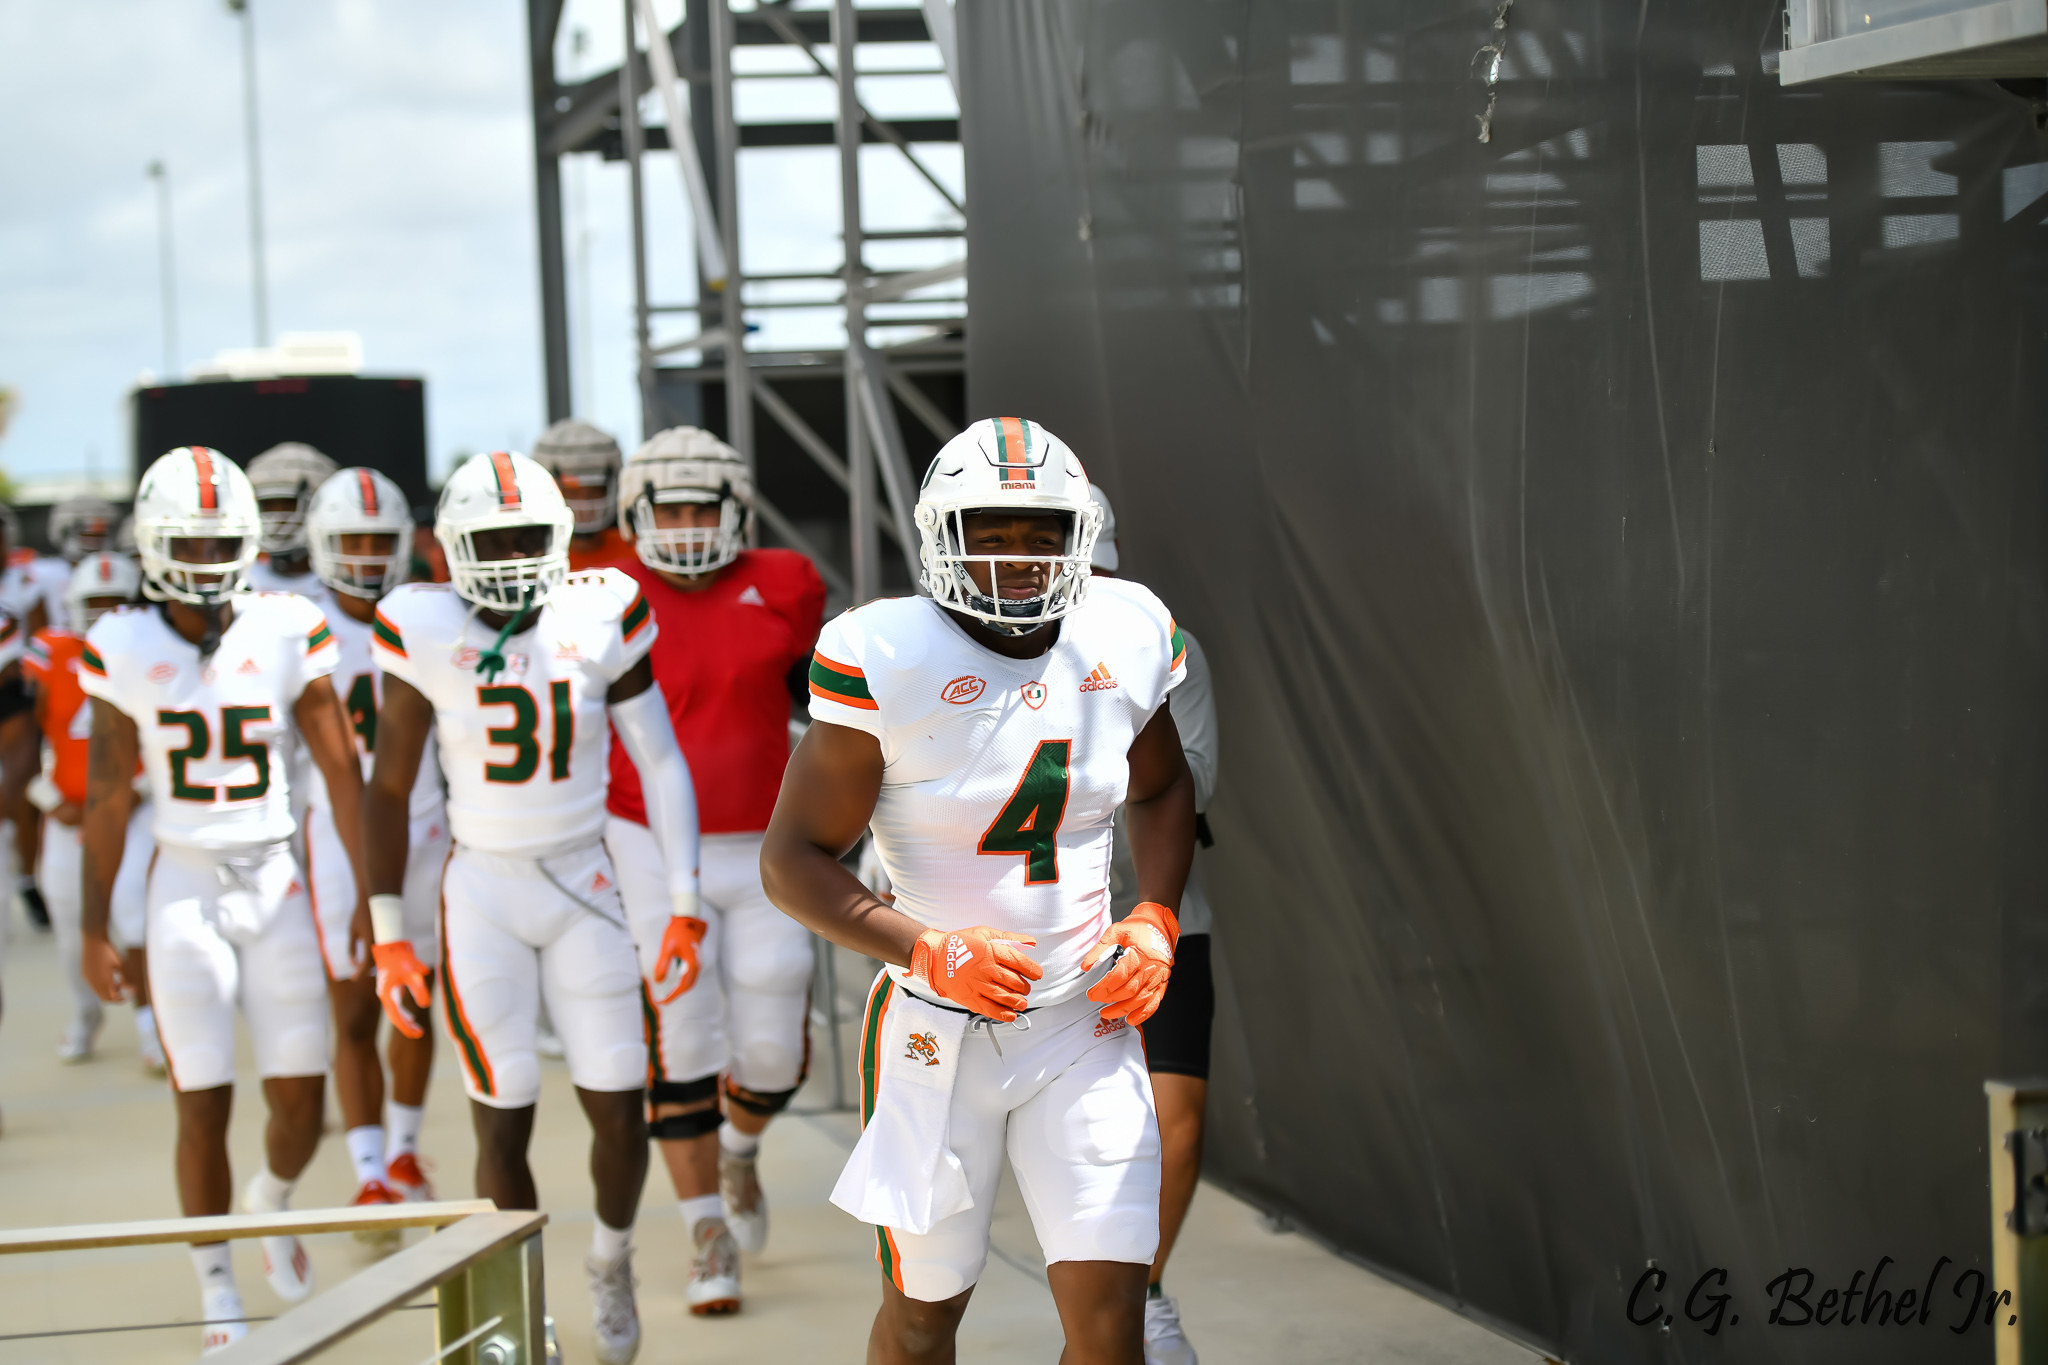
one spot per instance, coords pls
(962, 689)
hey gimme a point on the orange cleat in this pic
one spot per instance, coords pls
(405, 1178)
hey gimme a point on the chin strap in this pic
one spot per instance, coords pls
(491, 662)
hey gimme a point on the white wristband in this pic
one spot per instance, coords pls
(387, 919)
(683, 904)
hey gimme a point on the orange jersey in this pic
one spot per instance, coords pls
(51, 663)
(609, 551)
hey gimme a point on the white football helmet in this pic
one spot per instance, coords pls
(82, 525)
(100, 575)
(585, 463)
(194, 493)
(1008, 464)
(492, 492)
(291, 470)
(359, 501)
(686, 464)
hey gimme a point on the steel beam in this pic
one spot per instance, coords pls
(542, 19)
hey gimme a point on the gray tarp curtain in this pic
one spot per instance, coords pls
(1619, 545)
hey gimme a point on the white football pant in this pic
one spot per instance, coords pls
(1068, 1100)
(332, 881)
(513, 929)
(60, 872)
(228, 931)
(747, 1013)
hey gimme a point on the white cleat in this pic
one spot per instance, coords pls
(714, 1286)
(746, 1207)
(615, 1318)
(79, 1037)
(223, 1322)
(1165, 1343)
(285, 1263)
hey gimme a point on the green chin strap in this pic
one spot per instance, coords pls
(491, 662)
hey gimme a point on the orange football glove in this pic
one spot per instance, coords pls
(980, 969)
(679, 949)
(400, 972)
(1137, 983)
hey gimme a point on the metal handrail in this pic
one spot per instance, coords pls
(485, 1263)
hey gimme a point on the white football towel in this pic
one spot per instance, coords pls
(903, 1173)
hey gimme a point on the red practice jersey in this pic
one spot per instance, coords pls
(607, 550)
(721, 658)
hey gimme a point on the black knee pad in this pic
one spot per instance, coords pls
(761, 1106)
(694, 1124)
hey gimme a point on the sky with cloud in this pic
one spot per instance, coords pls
(398, 194)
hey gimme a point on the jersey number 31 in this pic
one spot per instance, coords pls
(522, 736)
(1029, 822)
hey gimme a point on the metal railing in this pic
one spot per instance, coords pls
(485, 1263)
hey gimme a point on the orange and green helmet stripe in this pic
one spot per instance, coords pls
(842, 683)
(508, 478)
(1013, 449)
(209, 484)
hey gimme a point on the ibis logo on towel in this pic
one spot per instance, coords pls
(924, 1047)
(962, 689)
(1034, 694)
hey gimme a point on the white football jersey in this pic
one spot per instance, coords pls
(1001, 776)
(263, 578)
(525, 753)
(29, 581)
(215, 736)
(357, 680)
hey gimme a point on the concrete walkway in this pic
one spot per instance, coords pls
(92, 1143)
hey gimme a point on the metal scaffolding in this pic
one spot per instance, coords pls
(917, 374)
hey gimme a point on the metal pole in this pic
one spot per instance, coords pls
(739, 403)
(860, 458)
(256, 267)
(543, 17)
(166, 266)
(629, 124)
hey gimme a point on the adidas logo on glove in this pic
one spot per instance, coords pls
(958, 954)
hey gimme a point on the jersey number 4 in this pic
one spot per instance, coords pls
(1029, 822)
(522, 736)
(233, 744)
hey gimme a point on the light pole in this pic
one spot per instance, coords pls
(166, 266)
(256, 270)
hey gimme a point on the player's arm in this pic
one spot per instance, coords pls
(21, 743)
(828, 795)
(323, 725)
(1159, 813)
(404, 719)
(641, 717)
(111, 756)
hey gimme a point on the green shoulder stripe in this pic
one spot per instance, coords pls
(840, 682)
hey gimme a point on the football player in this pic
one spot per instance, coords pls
(585, 464)
(523, 671)
(1177, 1035)
(988, 733)
(359, 536)
(284, 477)
(32, 594)
(18, 749)
(81, 526)
(99, 583)
(734, 624)
(206, 688)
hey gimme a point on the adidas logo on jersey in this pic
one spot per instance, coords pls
(248, 666)
(751, 595)
(600, 883)
(1099, 680)
(1105, 1027)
